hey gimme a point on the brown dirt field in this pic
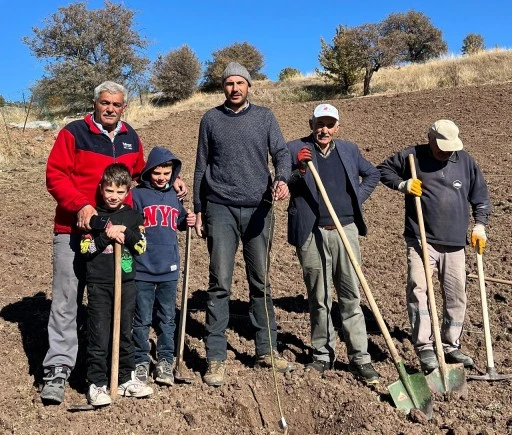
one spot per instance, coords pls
(246, 404)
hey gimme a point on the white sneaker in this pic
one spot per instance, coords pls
(134, 388)
(98, 396)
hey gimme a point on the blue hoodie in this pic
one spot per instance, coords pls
(163, 215)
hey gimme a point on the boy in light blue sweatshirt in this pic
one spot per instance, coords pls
(158, 270)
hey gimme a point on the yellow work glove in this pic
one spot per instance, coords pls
(412, 186)
(478, 238)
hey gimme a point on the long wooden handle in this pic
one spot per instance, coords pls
(184, 301)
(487, 278)
(485, 312)
(114, 368)
(428, 276)
(357, 267)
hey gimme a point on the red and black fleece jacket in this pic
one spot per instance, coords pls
(77, 161)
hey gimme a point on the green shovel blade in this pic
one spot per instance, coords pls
(411, 392)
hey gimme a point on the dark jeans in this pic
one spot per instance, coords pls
(161, 295)
(226, 226)
(100, 311)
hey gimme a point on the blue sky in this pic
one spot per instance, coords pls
(287, 33)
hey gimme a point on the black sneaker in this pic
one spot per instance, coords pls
(428, 360)
(55, 385)
(365, 373)
(319, 365)
(457, 357)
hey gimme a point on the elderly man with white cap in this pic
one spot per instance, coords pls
(448, 181)
(233, 195)
(349, 179)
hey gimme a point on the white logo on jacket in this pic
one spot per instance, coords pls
(127, 146)
(457, 184)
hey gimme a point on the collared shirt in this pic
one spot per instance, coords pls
(332, 145)
(241, 110)
(105, 132)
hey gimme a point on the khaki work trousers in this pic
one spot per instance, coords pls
(451, 265)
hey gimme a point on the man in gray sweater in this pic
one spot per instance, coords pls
(233, 195)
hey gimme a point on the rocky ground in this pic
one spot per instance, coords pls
(246, 404)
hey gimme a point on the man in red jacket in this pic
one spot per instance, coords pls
(82, 151)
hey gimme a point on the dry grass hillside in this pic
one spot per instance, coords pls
(487, 67)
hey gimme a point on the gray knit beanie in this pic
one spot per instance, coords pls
(235, 69)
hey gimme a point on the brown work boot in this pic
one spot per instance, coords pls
(214, 376)
(281, 364)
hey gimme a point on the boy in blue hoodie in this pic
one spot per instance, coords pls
(158, 270)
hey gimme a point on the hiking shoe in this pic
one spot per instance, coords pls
(365, 373)
(457, 357)
(214, 376)
(142, 372)
(134, 388)
(163, 372)
(98, 396)
(55, 384)
(428, 360)
(281, 364)
(319, 365)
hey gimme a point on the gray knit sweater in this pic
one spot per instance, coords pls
(232, 157)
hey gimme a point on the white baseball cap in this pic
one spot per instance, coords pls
(446, 134)
(326, 110)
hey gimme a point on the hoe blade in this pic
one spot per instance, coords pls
(411, 392)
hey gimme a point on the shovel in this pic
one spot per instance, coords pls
(448, 377)
(114, 367)
(410, 391)
(180, 369)
(492, 374)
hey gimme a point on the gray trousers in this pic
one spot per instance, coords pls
(325, 263)
(67, 293)
(451, 264)
(227, 226)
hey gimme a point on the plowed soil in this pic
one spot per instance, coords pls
(246, 404)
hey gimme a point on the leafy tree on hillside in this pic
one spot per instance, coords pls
(339, 60)
(357, 53)
(245, 54)
(83, 48)
(288, 73)
(2, 101)
(176, 74)
(472, 43)
(420, 39)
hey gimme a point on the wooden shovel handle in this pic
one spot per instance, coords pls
(485, 311)
(428, 276)
(184, 300)
(357, 267)
(114, 368)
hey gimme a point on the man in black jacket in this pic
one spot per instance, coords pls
(448, 181)
(319, 246)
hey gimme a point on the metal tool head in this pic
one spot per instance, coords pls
(79, 407)
(491, 375)
(411, 392)
(452, 380)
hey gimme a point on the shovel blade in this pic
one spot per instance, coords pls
(79, 407)
(411, 392)
(452, 380)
